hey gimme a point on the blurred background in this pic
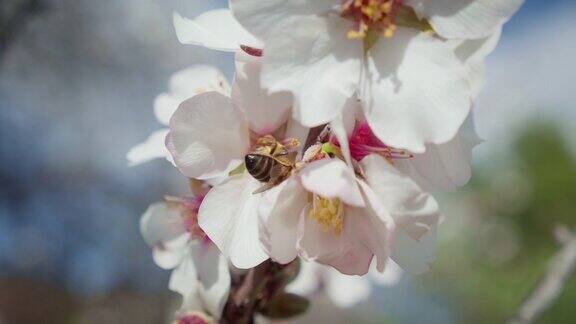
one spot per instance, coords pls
(77, 83)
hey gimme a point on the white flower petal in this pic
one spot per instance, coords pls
(466, 18)
(419, 91)
(341, 131)
(295, 130)
(213, 276)
(183, 279)
(339, 251)
(162, 228)
(415, 255)
(150, 149)
(312, 58)
(414, 211)
(187, 83)
(214, 29)
(445, 166)
(229, 216)
(372, 226)
(171, 253)
(260, 16)
(352, 113)
(265, 112)
(208, 136)
(391, 276)
(473, 52)
(332, 178)
(346, 291)
(190, 303)
(161, 223)
(282, 219)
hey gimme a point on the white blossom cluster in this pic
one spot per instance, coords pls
(342, 117)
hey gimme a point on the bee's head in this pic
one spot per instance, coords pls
(324, 135)
(250, 160)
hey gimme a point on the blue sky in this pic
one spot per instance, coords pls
(529, 75)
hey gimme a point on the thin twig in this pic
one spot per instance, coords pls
(561, 267)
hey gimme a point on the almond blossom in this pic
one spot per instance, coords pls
(207, 30)
(342, 117)
(342, 217)
(326, 211)
(182, 85)
(200, 273)
(385, 189)
(210, 134)
(416, 89)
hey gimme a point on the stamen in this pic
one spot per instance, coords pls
(363, 142)
(328, 213)
(371, 15)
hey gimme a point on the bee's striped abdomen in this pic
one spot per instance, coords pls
(259, 166)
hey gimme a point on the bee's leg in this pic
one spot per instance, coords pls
(291, 143)
(278, 174)
(266, 140)
(266, 186)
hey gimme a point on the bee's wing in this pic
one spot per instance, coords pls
(279, 171)
(286, 159)
(266, 186)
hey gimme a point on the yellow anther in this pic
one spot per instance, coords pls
(370, 15)
(386, 7)
(389, 31)
(358, 34)
(328, 213)
(332, 209)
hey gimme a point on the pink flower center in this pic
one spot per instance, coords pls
(190, 213)
(192, 319)
(363, 142)
(371, 15)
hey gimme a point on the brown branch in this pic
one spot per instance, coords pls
(561, 267)
(253, 291)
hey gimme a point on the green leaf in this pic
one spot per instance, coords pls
(285, 305)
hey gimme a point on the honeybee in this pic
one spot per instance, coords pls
(271, 162)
